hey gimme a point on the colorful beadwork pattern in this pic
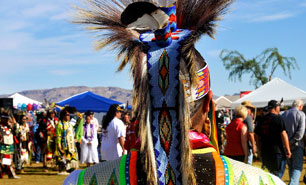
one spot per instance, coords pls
(165, 128)
(93, 180)
(163, 75)
(203, 85)
(106, 172)
(226, 172)
(261, 181)
(196, 93)
(169, 176)
(127, 166)
(229, 170)
(163, 37)
(171, 12)
(163, 79)
(243, 180)
(271, 182)
(113, 179)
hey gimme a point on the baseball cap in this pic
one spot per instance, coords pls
(272, 104)
(115, 107)
(119, 109)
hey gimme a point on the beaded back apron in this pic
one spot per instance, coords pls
(163, 74)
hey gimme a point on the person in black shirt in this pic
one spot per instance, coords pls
(272, 140)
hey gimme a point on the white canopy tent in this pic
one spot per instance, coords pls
(276, 89)
(18, 98)
(222, 102)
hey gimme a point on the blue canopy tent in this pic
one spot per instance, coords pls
(88, 101)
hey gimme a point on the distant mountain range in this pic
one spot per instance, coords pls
(58, 94)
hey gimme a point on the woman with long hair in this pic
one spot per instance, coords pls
(113, 134)
(65, 151)
(24, 130)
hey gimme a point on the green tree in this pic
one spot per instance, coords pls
(261, 68)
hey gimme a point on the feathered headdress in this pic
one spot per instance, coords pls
(198, 16)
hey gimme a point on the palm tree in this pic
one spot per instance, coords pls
(261, 68)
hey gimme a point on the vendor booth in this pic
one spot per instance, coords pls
(23, 102)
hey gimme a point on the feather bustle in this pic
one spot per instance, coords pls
(200, 16)
(186, 154)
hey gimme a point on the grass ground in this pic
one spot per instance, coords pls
(34, 175)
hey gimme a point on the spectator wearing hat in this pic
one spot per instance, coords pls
(249, 123)
(272, 139)
(295, 125)
(113, 134)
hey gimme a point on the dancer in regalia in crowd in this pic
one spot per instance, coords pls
(24, 131)
(52, 121)
(6, 145)
(65, 154)
(171, 94)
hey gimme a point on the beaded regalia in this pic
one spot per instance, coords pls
(171, 87)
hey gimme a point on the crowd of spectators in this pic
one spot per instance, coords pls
(279, 136)
(62, 140)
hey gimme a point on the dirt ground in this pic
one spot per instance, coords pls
(34, 175)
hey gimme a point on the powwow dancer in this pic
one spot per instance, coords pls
(167, 71)
(24, 131)
(65, 151)
(52, 121)
(6, 146)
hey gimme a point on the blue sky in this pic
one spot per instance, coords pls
(40, 48)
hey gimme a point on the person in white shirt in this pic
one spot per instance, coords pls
(113, 134)
(93, 120)
(89, 144)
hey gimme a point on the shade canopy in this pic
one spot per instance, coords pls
(222, 102)
(276, 89)
(20, 99)
(88, 101)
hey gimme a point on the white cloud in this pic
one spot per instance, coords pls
(265, 10)
(273, 17)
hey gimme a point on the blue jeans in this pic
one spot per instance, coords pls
(281, 160)
(295, 165)
(250, 156)
(275, 163)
